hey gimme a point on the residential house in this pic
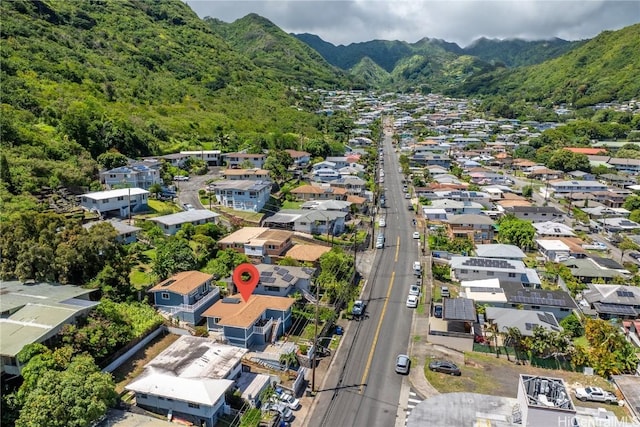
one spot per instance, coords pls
(553, 250)
(605, 211)
(553, 229)
(210, 157)
(477, 228)
(259, 320)
(325, 175)
(618, 180)
(543, 174)
(571, 247)
(353, 185)
(237, 160)
(172, 223)
(121, 202)
(596, 269)
(631, 166)
(185, 296)
(35, 312)
(259, 242)
(434, 214)
(246, 174)
(435, 170)
(560, 188)
(327, 205)
(279, 281)
(587, 151)
(508, 271)
(339, 161)
(524, 320)
(613, 301)
(187, 381)
(490, 178)
(618, 225)
(301, 159)
(581, 175)
(319, 192)
(559, 302)
(499, 250)
(175, 159)
(125, 233)
(466, 196)
(484, 291)
(242, 195)
(457, 207)
(536, 213)
(201, 400)
(325, 165)
(430, 159)
(134, 176)
(309, 221)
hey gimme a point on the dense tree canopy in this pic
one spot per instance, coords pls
(516, 231)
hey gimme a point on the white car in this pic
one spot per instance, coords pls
(414, 290)
(416, 235)
(412, 301)
(290, 401)
(417, 266)
(407, 196)
(180, 178)
(382, 222)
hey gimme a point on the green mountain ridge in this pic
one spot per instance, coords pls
(602, 69)
(270, 48)
(518, 52)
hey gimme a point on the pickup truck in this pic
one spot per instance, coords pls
(595, 394)
(358, 308)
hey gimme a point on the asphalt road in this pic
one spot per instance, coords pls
(362, 387)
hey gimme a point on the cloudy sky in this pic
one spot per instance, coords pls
(460, 21)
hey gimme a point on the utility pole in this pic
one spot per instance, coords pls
(315, 341)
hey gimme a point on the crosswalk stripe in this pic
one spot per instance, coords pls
(415, 400)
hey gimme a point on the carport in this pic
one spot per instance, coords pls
(456, 328)
(629, 386)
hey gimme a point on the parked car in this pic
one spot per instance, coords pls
(280, 408)
(437, 311)
(416, 234)
(291, 402)
(417, 266)
(410, 206)
(412, 301)
(414, 290)
(380, 241)
(382, 222)
(635, 255)
(180, 178)
(358, 308)
(407, 195)
(595, 394)
(445, 367)
(403, 364)
(444, 292)
(188, 207)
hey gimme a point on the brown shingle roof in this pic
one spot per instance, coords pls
(234, 172)
(356, 200)
(309, 253)
(183, 282)
(244, 314)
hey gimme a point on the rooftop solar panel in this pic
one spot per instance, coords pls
(287, 278)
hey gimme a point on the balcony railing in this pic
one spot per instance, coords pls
(191, 308)
(263, 329)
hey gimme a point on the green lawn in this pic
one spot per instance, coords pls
(291, 204)
(141, 274)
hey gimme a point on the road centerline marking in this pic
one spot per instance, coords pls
(397, 249)
(375, 338)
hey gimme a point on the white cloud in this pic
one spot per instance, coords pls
(460, 21)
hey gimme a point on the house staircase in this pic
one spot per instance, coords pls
(274, 330)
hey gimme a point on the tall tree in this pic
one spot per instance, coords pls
(172, 256)
(278, 163)
(516, 231)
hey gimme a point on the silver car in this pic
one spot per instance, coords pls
(403, 364)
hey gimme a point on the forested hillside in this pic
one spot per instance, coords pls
(282, 57)
(518, 52)
(140, 77)
(603, 69)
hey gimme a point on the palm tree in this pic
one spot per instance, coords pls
(288, 359)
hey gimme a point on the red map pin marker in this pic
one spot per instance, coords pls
(246, 287)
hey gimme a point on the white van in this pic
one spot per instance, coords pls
(444, 292)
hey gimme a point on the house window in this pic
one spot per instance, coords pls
(164, 295)
(105, 201)
(564, 309)
(120, 198)
(194, 405)
(142, 396)
(272, 289)
(512, 274)
(535, 307)
(490, 273)
(464, 271)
